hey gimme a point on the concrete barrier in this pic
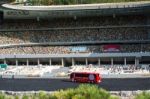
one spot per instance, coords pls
(7, 76)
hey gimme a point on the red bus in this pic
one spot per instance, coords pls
(86, 77)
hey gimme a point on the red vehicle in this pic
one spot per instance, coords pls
(85, 77)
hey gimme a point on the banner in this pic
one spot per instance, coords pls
(111, 48)
(78, 49)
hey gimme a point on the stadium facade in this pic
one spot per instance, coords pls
(98, 34)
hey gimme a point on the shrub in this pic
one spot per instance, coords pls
(2, 96)
(143, 95)
(42, 95)
(84, 92)
(16, 97)
(25, 97)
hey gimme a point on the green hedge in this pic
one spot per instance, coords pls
(81, 92)
(143, 95)
(85, 91)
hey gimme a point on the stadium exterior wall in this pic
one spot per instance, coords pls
(32, 12)
(142, 54)
(71, 59)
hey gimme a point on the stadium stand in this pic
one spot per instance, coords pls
(74, 36)
(70, 49)
(59, 71)
(96, 21)
(92, 33)
(110, 43)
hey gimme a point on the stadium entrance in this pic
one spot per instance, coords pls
(1, 17)
(74, 61)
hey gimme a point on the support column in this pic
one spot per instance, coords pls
(27, 62)
(148, 33)
(112, 62)
(62, 61)
(136, 62)
(16, 62)
(38, 61)
(99, 61)
(148, 23)
(125, 61)
(73, 62)
(86, 61)
(50, 62)
(5, 61)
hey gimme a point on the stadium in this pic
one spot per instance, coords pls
(112, 36)
(58, 45)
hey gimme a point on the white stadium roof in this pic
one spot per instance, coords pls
(78, 7)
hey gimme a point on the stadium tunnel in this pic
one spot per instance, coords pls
(1, 17)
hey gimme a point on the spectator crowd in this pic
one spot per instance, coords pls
(74, 22)
(68, 49)
(79, 30)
